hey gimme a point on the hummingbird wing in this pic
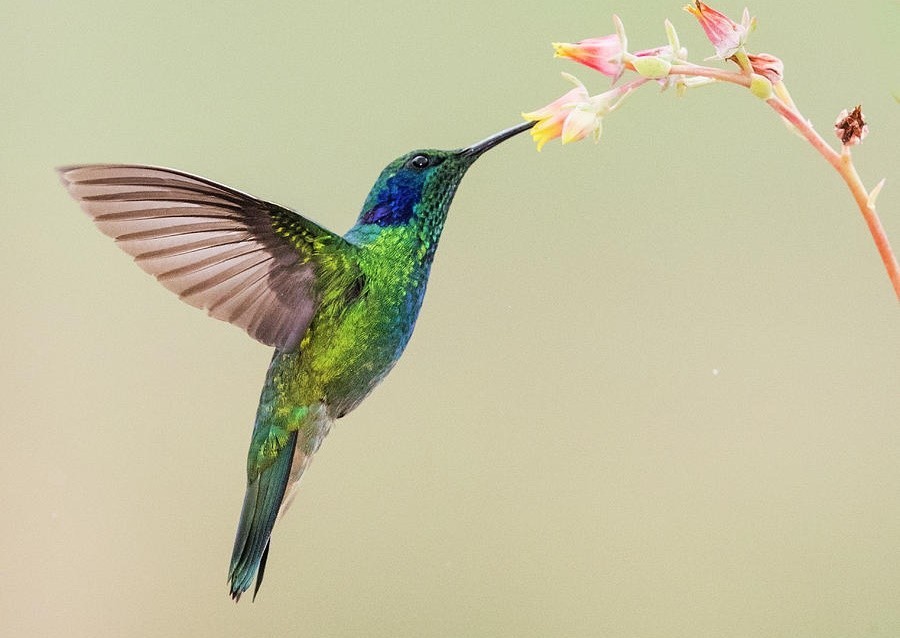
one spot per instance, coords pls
(244, 260)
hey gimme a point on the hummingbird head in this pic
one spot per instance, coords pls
(416, 189)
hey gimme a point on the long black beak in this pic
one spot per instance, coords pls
(477, 149)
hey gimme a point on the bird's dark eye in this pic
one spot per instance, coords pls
(419, 162)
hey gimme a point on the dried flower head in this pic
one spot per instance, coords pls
(851, 127)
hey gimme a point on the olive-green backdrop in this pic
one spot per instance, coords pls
(654, 390)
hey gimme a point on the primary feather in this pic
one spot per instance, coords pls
(243, 260)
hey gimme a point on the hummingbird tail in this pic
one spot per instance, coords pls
(262, 502)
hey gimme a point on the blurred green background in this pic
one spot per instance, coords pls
(654, 390)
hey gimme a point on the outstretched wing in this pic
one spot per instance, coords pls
(243, 260)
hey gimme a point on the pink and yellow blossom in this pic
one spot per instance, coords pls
(603, 54)
(725, 34)
(551, 118)
(577, 115)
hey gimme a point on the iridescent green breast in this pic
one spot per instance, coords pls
(356, 337)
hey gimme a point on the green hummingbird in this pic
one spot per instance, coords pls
(339, 311)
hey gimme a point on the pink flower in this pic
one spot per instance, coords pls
(603, 54)
(577, 115)
(768, 66)
(551, 119)
(725, 34)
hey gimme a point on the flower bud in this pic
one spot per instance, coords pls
(767, 65)
(760, 86)
(652, 67)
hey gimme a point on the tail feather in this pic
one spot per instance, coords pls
(262, 570)
(262, 501)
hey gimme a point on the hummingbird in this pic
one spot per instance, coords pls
(338, 310)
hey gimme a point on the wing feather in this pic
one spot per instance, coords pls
(245, 261)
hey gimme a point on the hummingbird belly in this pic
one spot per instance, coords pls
(347, 353)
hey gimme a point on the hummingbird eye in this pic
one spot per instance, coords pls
(419, 162)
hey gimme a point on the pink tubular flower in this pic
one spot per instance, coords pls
(605, 54)
(725, 34)
(551, 119)
(577, 115)
(602, 54)
(768, 66)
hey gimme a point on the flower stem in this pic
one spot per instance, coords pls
(710, 72)
(842, 162)
(619, 93)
